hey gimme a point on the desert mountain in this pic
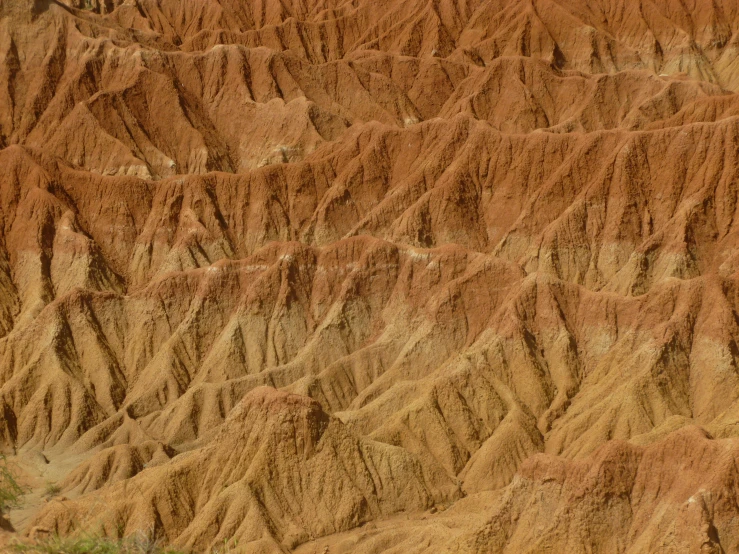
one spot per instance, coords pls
(373, 276)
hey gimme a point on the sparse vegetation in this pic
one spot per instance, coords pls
(10, 491)
(137, 544)
(227, 547)
(52, 490)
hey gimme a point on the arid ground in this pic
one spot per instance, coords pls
(368, 276)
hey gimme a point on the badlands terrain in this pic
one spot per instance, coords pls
(364, 276)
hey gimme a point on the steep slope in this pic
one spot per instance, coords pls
(675, 495)
(275, 455)
(344, 273)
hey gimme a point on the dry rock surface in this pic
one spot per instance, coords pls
(364, 276)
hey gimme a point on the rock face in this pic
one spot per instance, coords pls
(373, 276)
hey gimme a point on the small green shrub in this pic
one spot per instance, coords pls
(10, 491)
(227, 547)
(94, 545)
(52, 490)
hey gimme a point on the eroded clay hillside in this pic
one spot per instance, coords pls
(334, 276)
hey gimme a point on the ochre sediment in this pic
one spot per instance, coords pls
(372, 276)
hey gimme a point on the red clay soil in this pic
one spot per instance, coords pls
(364, 276)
